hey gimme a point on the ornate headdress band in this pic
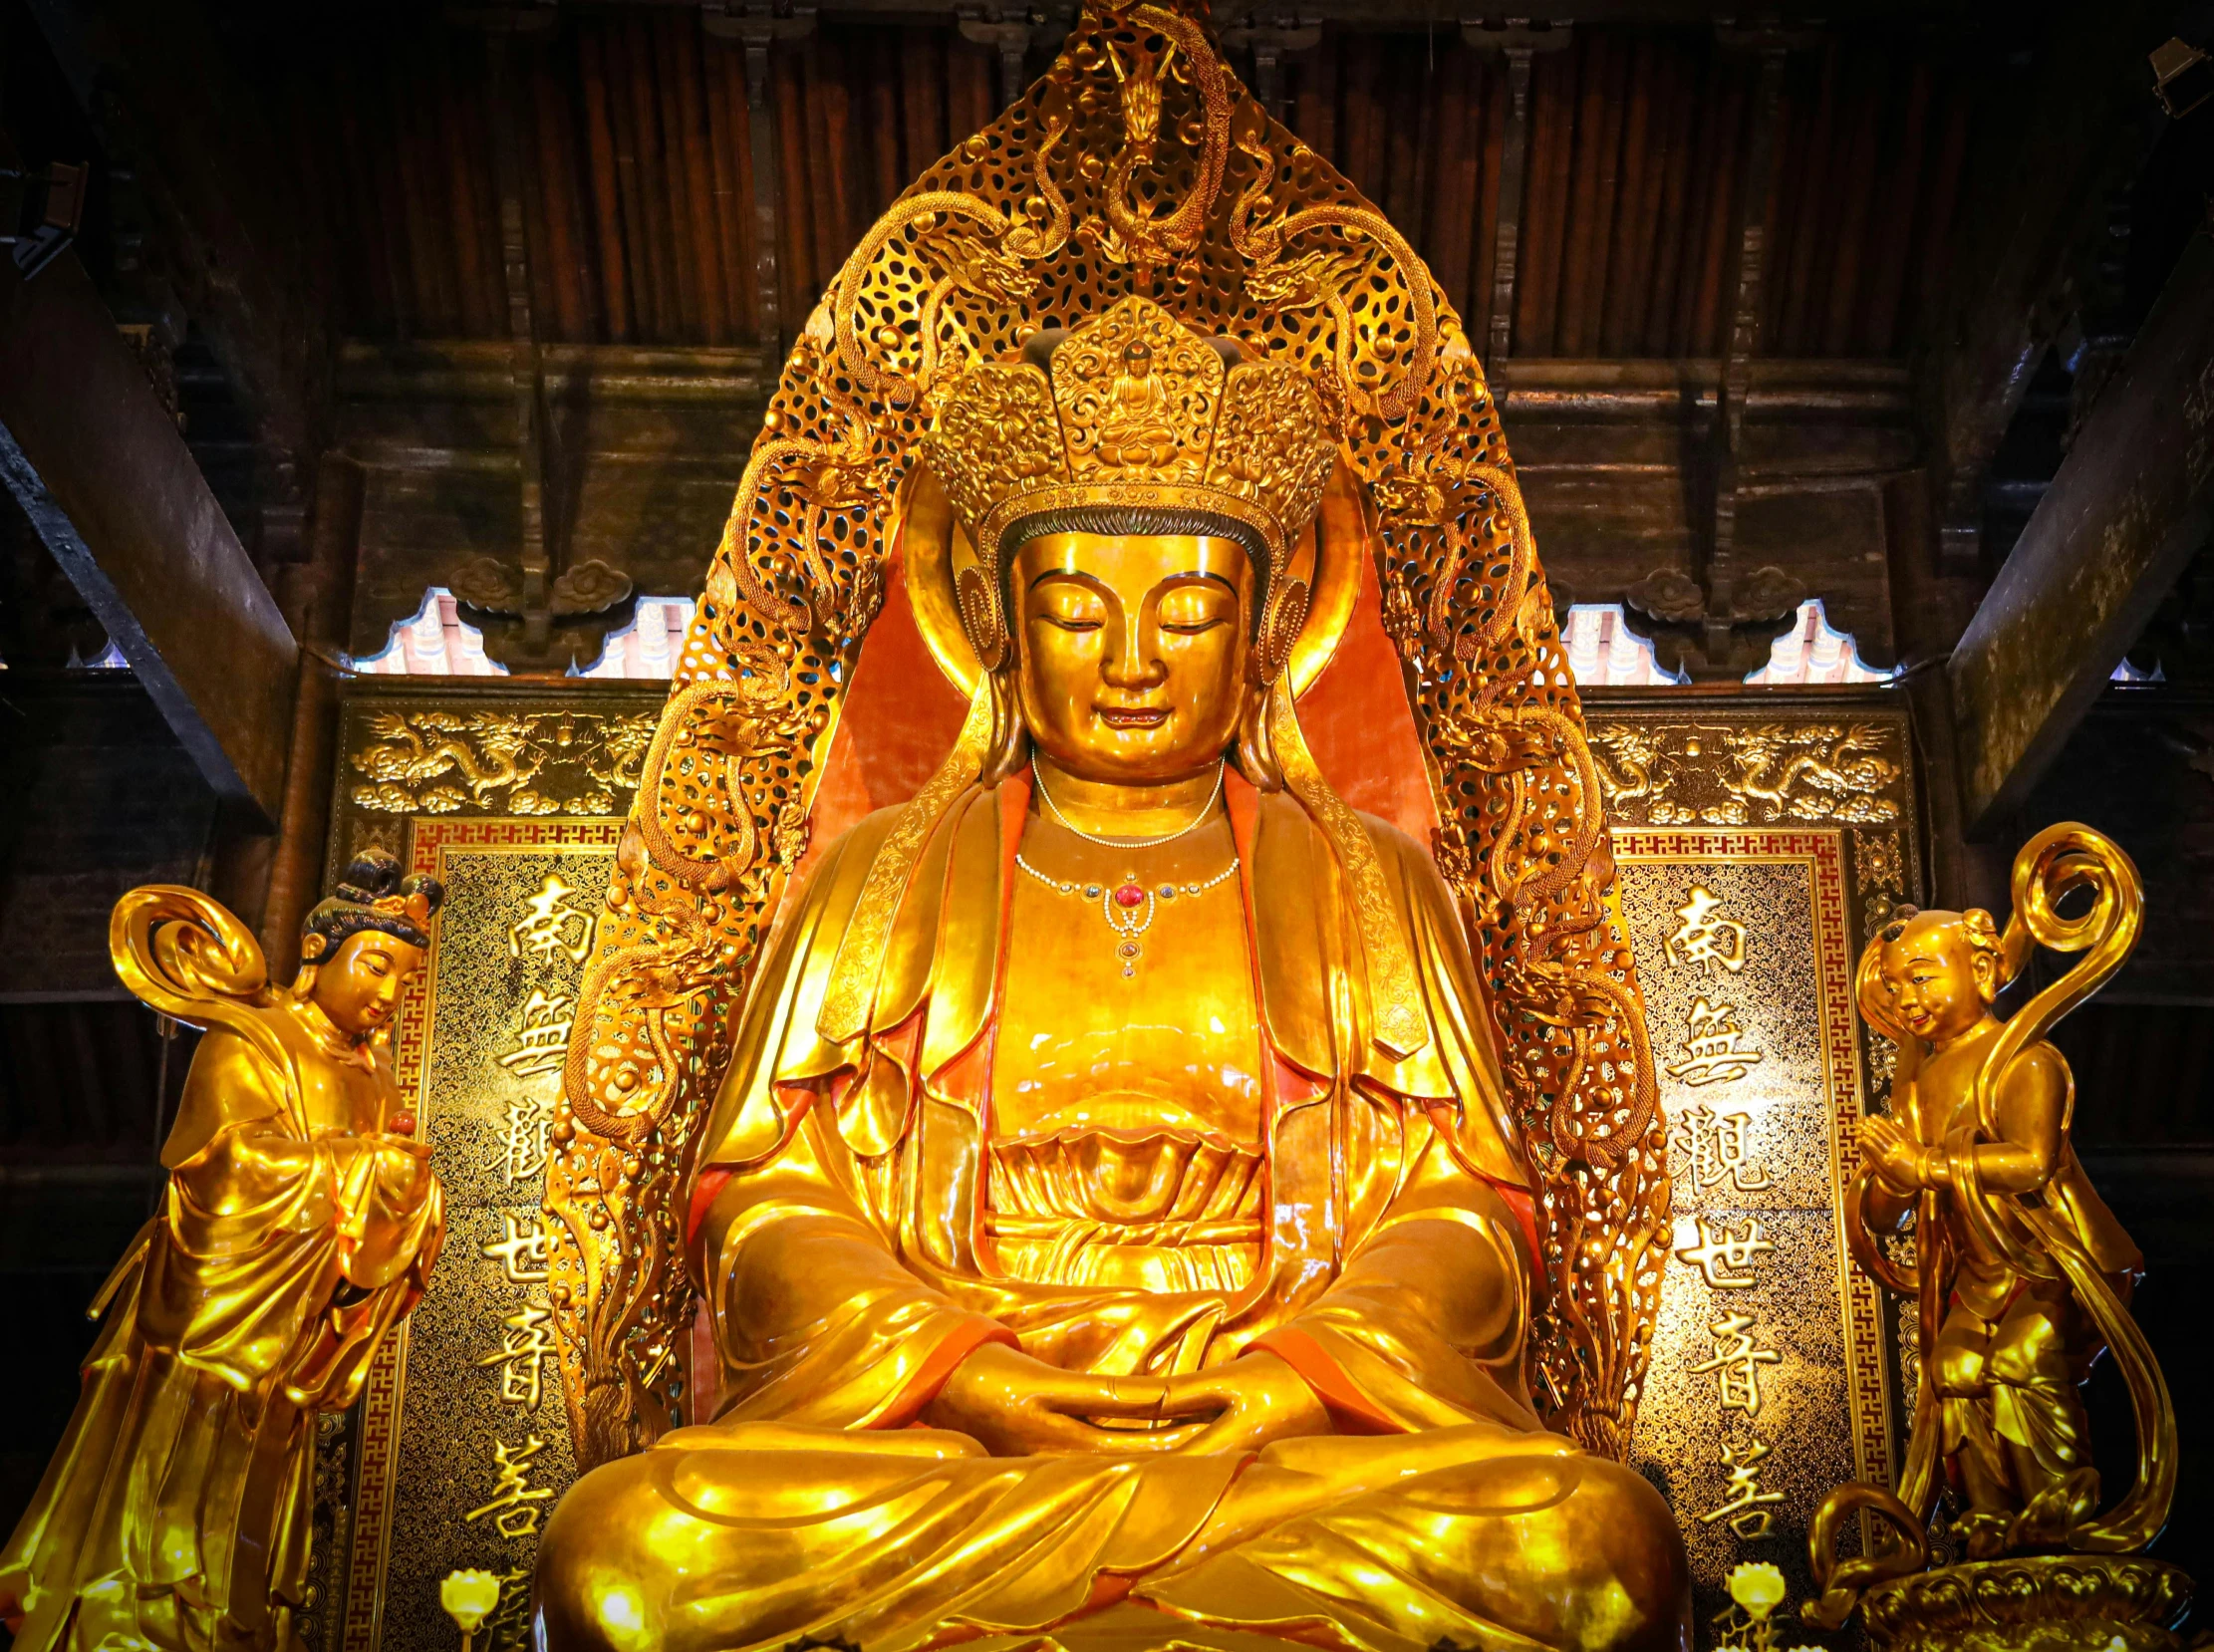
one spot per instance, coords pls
(1131, 410)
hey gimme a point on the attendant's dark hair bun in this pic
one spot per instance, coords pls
(377, 892)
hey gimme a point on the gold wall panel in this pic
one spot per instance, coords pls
(1795, 813)
(1758, 844)
(515, 797)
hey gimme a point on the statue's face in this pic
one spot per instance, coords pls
(1132, 651)
(358, 985)
(1938, 984)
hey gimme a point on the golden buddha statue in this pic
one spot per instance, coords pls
(1128, 1215)
(2022, 1273)
(300, 1226)
(1112, 1222)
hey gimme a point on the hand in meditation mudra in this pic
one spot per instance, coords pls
(1114, 1231)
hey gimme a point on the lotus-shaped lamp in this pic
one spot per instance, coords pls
(1758, 1587)
(468, 1599)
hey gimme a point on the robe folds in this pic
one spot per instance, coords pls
(842, 1227)
(175, 1512)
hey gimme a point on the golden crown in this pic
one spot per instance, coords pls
(1133, 410)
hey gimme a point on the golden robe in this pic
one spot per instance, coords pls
(851, 1220)
(175, 1512)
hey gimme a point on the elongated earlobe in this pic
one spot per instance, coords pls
(1009, 751)
(1281, 618)
(1254, 754)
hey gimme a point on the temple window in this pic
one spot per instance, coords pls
(649, 645)
(436, 641)
(1602, 648)
(1814, 652)
(109, 659)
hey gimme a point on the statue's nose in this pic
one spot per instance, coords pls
(1130, 662)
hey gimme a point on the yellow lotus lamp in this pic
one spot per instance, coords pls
(1757, 1587)
(469, 1597)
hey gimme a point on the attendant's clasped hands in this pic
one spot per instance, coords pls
(1897, 1157)
(1015, 1405)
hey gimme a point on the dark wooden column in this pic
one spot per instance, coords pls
(1270, 44)
(528, 366)
(754, 27)
(1010, 36)
(1727, 604)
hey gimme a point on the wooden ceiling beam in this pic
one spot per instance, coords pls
(2084, 126)
(245, 257)
(97, 465)
(2131, 503)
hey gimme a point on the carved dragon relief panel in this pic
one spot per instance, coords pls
(503, 760)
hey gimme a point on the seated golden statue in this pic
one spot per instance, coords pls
(301, 1225)
(1113, 1228)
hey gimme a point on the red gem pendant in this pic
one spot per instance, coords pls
(1129, 894)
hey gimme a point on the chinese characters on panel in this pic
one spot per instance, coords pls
(1715, 1153)
(549, 932)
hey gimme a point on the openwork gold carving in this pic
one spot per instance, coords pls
(1136, 168)
(504, 762)
(684, 912)
(1750, 775)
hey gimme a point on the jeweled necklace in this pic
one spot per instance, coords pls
(1128, 906)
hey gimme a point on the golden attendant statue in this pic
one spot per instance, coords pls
(1119, 1212)
(301, 1225)
(2022, 1278)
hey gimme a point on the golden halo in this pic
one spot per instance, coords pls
(1327, 555)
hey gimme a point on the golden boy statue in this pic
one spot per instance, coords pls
(2023, 1274)
(301, 1225)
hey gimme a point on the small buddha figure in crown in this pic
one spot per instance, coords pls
(300, 1228)
(1114, 1230)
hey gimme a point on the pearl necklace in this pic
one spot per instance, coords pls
(1129, 905)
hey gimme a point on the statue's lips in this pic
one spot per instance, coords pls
(1133, 718)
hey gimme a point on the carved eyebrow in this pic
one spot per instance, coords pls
(1202, 574)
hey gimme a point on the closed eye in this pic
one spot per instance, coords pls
(1193, 609)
